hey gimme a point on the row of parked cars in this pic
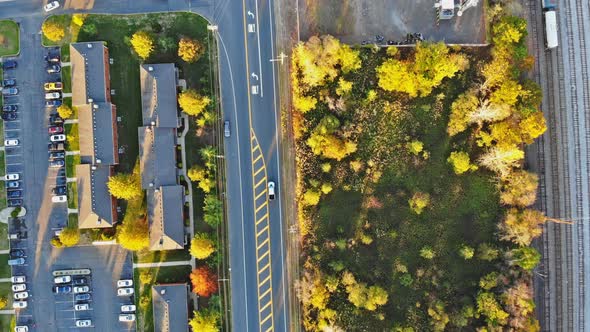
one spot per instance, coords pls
(125, 288)
(80, 288)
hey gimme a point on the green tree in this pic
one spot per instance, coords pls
(466, 252)
(202, 246)
(487, 252)
(488, 306)
(192, 103)
(125, 186)
(525, 257)
(376, 297)
(143, 44)
(489, 281)
(427, 252)
(212, 210)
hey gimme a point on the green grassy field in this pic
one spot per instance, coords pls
(9, 38)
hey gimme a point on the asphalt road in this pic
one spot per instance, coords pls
(256, 233)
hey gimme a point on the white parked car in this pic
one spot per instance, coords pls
(18, 279)
(53, 5)
(81, 289)
(125, 283)
(83, 323)
(62, 279)
(59, 199)
(19, 304)
(22, 328)
(82, 307)
(128, 308)
(271, 190)
(57, 138)
(11, 142)
(52, 95)
(126, 318)
(12, 177)
(19, 287)
(124, 291)
(21, 295)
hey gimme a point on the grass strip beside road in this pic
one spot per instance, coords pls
(2, 164)
(73, 136)
(72, 195)
(9, 38)
(65, 53)
(4, 236)
(66, 78)
(2, 195)
(4, 268)
(148, 256)
(71, 162)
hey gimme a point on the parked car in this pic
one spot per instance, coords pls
(52, 95)
(16, 261)
(62, 279)
(271, 190)
(21, 328)
(79, 281)
(53, 69)
(21, 295)
(15, 202)
(125, 291)
(55, 130)
(16, 253)
(81, 289)
(19, 287)
(226, 129)
(60, 180)
(19, 304)
(128, 308)
(125, 283)
(60, 190)
(56, 147)
(62, 289)
(9, 64)
(81, 307)
(9, 108)
(52, 86)
(57, 138)
(126, 318)
(59, 199)
(12, 177)
(10, 142)
(16, 236)
(9, 116)
(12, 184)
(10, 91)
(52, 58)
(18, 279)
(54, 102)
(53, 5)
(8, 82)
(14, 194)
(57, 155)
(82, 297)
(57, 163)
(55, 119)
(83, 323)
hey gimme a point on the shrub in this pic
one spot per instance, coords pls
(419, 201)
(65, 111)
(311, 197)
(53, 30)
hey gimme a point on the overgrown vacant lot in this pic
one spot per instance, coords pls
(407, 162)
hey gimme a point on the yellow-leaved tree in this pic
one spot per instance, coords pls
(65, 111)
(125, 186)
(133, 234)
(69, 236)
(143, 44)
(205, 320)
(461, 162)
(53, 30)
(193, 103)
(190, 50)
(202, 246)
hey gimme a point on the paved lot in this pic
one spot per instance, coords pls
(357, 20)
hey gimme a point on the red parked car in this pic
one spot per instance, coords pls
(56, 130)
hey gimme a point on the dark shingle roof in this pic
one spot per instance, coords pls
(88, 72)
(97, 133)
(157, 156)
(165, 217)
(170, 306)
(95, 203)
(158, 95)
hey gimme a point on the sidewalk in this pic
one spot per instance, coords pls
(179, 263)
(69, 121)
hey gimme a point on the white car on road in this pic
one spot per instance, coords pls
(53, 5)
(21, 295)
(19, 288)
(271, 190)
(126, 318)
(12, 177)
(81, 289)
(57, 138)
(19, 304)
(62, 279)
(22, 328)
(128, 308)
(125, 291)
(83, 323)
(82, 307)
(10, 142)
(125, 283)
(18, 279)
